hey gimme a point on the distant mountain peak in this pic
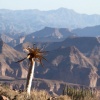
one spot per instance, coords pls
(76, 57)
(47, 27)
(65, 9)
(29, 21)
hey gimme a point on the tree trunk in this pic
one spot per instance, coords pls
(30, 76)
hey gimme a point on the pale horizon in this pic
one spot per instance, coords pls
(79, 6)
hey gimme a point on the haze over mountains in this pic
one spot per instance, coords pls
(88, 31)
(49, 34)
(72, 40)
(13, 22)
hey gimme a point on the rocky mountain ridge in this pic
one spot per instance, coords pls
(23, 22)
(8, 57)
(70, 65)
(49, 34)
(70, 61)
(88, 31)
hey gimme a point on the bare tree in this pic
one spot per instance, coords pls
(34, 55)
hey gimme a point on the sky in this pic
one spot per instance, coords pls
(80, 6)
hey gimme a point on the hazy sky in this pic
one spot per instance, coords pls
(81, 6)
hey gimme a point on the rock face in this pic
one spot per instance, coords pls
(8, 57)
(69, 65)
(95, 55)
(6, 38)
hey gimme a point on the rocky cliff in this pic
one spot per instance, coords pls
(73, 60)
(8, 57)
(69, 65)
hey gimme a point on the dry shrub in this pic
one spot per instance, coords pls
(35, 95)
(7, 92)
(63, 98)
(39, 95)
(13, 95)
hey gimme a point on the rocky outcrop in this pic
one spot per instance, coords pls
(6, 38)
(8, 57)
(95, 55)
(69, 65)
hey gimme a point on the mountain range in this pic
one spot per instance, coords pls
(72, 59)
(50, 35)
(21, 22)
(71, 39)
(75, 60)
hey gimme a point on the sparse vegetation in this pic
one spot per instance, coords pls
(16, 95)
(80, 94)
(44, 95)
(35, 95)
